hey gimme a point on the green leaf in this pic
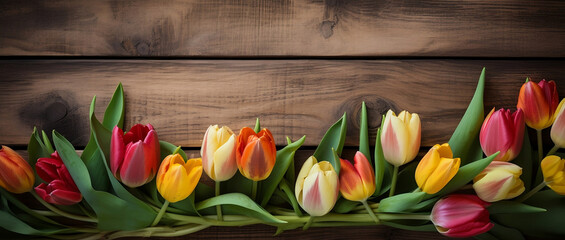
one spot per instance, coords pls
(344, 206)
(47, 142)
(406, 181)
(257, 126)
(465, 175)
(334, 138)
(284, 157)
(290, 175)
(9, 197)
(524, 160)
(112, 212)
(364, 134)
(248, 207)
(504, 233)
(383, 169)
(424, 206)
(114, 114)
(503, 207)
(462, 139)
(36, 149)
(290, 194)
(168, 149)
(400, 202)
(335, 161)
(14, 224)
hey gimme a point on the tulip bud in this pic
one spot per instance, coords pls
(400, 137)
(436, 168)
(256, 153)
(135, 155)
(176, 179)
(499, 181)
(553, 168)
(503, 132)
(558, 128)
(60, 188)
(357, 182)
(461, 215)
(218, 153)
(539, 102)
(16, 174)
(317, 187)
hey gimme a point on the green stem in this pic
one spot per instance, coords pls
(254, 191)
(370, 211)
(218, 207)
(309, 223)
(160, 214)
(540, 145)
(553, 150)
(393, 184)
(531, 192)
(60, 212)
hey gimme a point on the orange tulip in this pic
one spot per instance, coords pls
(16, 175)
(539, 102)
(357, 182)
(256, 153)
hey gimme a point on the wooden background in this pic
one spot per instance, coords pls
(296, 64)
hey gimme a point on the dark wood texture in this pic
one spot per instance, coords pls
(506, 28)
(292, 98)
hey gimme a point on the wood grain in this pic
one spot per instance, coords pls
(476, 28)
(292, 98)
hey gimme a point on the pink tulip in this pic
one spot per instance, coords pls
(60, 188)
(503, 131)
(461, 215)
(134, 156)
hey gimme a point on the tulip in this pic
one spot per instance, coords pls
(436, 168)
(539, 102)
(60, 188)
(499, 181)
(357, 182)
(176, 179)
(317, 187)
(218, 153)
(558, 128)
(16, 174)
(553, 168)
(400, 137)
(256, 153)
(503, 132)
(461, 215)
(135, 155)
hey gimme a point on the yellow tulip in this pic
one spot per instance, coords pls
(436, 168)
(499, 181)
(400, 137)
(317, 187)
(553, 168)
(176, 179)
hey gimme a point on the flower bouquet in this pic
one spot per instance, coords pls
(485, 182)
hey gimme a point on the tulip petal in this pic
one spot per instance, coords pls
(135, 173)
(298, 189)
(209, 147)
(117, 150)
(366, 172)
(350, 183)
(224, 165)
(558, 128)
(393, 140)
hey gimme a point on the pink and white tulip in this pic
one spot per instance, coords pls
(499, 181)
(400, 137)
(317, 187)
(218, 153)
(461, 215)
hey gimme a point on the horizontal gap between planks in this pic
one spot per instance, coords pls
(16, 58)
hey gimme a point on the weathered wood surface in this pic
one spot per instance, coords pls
(506, 28)
(293, 98)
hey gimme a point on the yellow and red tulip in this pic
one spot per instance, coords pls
(558, 128)
(16, 175)
(553, 168)
(60, 188)
(256, 153)
(317, 187)
(461, 215)
(539, 102)
(357, 182)
(134, 157)
(436, 169)
(503, 131)
(218, 153)
(499, 181)
(176, 179)
(400, 137)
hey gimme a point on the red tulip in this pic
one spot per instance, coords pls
(16, 175)
(503, 131)
(461, 215)
(357, 182)
(539, 102)
(60, 188)
(134, 156)
(256, 153)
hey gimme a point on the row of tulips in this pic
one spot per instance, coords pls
(135, 159)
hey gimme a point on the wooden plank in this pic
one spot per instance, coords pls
(292, 98)
(506, 28)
